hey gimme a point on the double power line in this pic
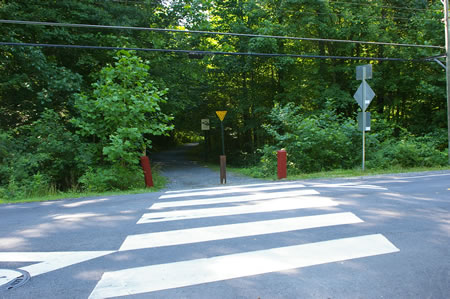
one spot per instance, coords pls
(304, 56)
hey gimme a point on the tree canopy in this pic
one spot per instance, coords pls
(119, 101)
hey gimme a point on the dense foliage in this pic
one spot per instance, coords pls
(80, 118)
(327, 141)
(122, 111)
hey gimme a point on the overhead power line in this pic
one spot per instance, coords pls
(198, 52)
(214, 33)
(384, 6)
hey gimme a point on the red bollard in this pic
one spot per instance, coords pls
(282, 160)
(145, 163)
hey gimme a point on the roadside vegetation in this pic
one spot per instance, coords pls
(338, 173)
(317, 143)
(54, 194)
(75, 121)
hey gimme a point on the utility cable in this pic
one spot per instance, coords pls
(214, 33)
(198, 52)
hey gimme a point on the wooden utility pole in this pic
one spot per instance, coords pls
(447, 70)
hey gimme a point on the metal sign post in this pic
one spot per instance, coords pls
(364, 118)
(447, 69)
(223, 158)
(363, 97)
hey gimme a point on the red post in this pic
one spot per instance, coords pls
(145, 163)
(282, 160)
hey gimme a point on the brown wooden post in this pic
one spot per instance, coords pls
(145, 163)
(223, 169)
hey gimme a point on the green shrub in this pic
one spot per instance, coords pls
(327, 141)
(41, 156)
(123, 110)
(12, 191)
(313, 142)
(407, 152)
(268, 166)
(39, 185)
(110, 178)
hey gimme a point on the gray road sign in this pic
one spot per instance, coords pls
(360, 69)
(360, 121)
(369, 95)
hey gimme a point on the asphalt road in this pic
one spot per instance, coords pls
(367, 237)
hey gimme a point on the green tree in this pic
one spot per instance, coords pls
(122, 111)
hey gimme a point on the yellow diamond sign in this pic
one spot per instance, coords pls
(221, 114)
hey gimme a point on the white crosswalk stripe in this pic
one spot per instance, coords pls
(226, 190)
(230, 199)
(247, 200)
(187, 273)
(221, 232)
(283, 204)
(232, 188)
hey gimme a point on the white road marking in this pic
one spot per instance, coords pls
(220, 232)
(348, 185)
(50, 261)
(235, 186)
(83, 202)
(187, 273)
(8, 275)
(76, 216)
(257, 207)
(228, 199)
(418, 176)
(236, 189)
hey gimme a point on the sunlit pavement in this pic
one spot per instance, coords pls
(372, 237)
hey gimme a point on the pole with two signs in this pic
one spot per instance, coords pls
(363, 97)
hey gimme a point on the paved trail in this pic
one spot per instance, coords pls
(184, 173)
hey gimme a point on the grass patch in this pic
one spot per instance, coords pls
(338, 173)
(159, 183)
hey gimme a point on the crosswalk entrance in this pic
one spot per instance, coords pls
(206, 216)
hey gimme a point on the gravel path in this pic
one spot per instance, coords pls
(183, 173)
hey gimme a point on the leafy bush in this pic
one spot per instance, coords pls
(122, 110)
(110, 178)
(11, 190)
(326, 141)
(42, 156)
(407, 152)
(313, 142)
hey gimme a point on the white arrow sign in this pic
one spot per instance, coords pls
(359, 95)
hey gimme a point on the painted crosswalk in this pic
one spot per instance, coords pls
(259, 207)
(317, 212)
(221, 232)
(235, 190)
(230, 199)
(187, 273)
